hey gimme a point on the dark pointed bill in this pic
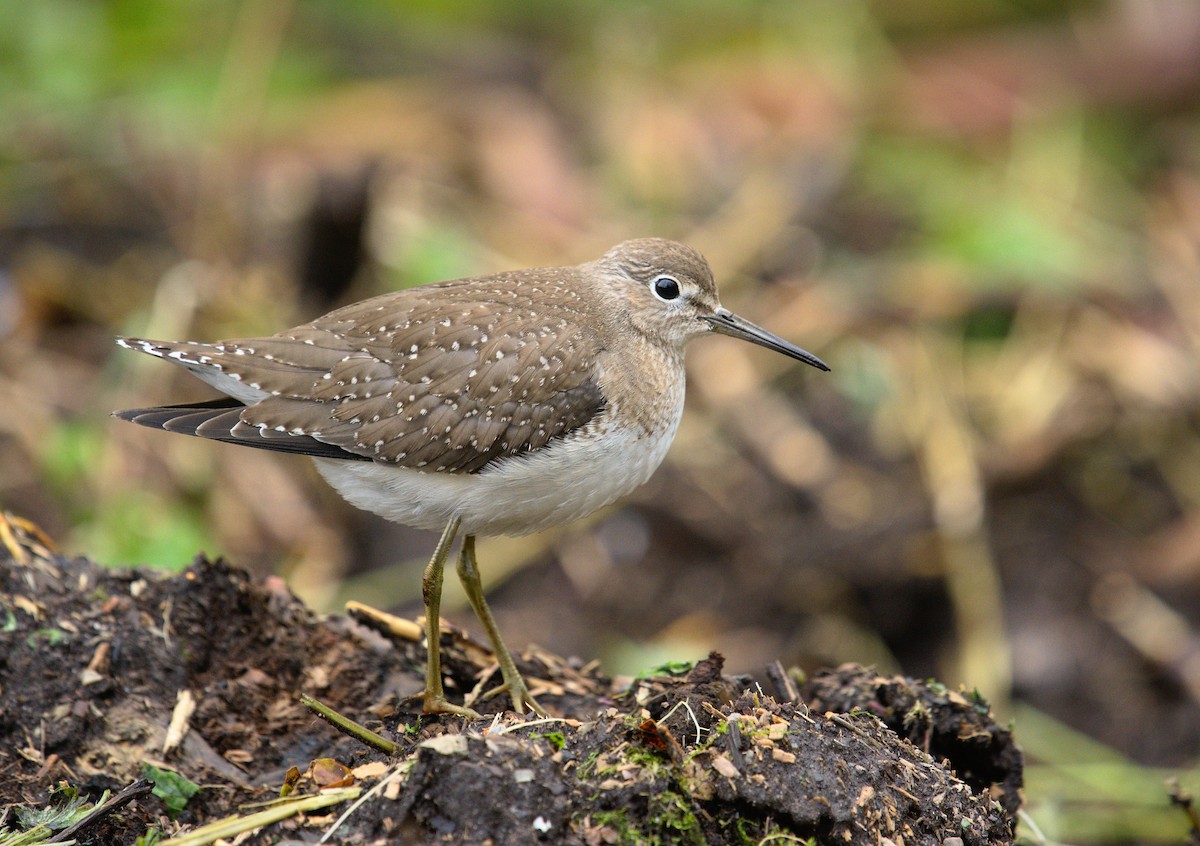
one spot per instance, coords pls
(728, 323)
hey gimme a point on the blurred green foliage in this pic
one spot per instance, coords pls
(139, 527)
(130, 526)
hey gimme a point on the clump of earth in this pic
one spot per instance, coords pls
(180, 696)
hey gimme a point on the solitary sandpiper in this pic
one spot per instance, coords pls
(502, 404)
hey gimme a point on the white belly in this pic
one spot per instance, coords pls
(529, 493)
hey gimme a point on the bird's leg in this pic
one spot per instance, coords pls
(468, 574)
(435, 701)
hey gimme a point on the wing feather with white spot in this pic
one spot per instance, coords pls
(447, 377)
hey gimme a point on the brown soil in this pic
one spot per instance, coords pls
(93, 663)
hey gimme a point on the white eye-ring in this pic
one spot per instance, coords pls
(665, 287)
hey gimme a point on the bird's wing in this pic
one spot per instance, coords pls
(220, 420)
(447, 377)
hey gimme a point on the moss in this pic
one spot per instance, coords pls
(675, 815)
(668, 668)
(556, 739)
(671, 819)
(590, 766)
(618, 821)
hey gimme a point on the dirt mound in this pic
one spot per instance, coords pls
(95, 665)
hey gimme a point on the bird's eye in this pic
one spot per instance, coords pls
(665, 288)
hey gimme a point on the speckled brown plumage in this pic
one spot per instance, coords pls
(447, 377)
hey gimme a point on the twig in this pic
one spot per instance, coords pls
(498, 730)
(844, 721)
(231, 826)
(138, 789)
(683, 703)
(785, 687)
(347, 726)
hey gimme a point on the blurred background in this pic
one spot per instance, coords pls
(984, 214)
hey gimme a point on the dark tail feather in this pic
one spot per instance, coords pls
(220, 420)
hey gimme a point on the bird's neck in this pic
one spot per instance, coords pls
(645, 380)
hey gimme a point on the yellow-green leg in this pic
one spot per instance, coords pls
(435, 701)
(468, 574)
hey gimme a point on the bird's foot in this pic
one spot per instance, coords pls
(522, 700)
(437, 703)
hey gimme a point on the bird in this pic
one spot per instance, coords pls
(503, 404)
